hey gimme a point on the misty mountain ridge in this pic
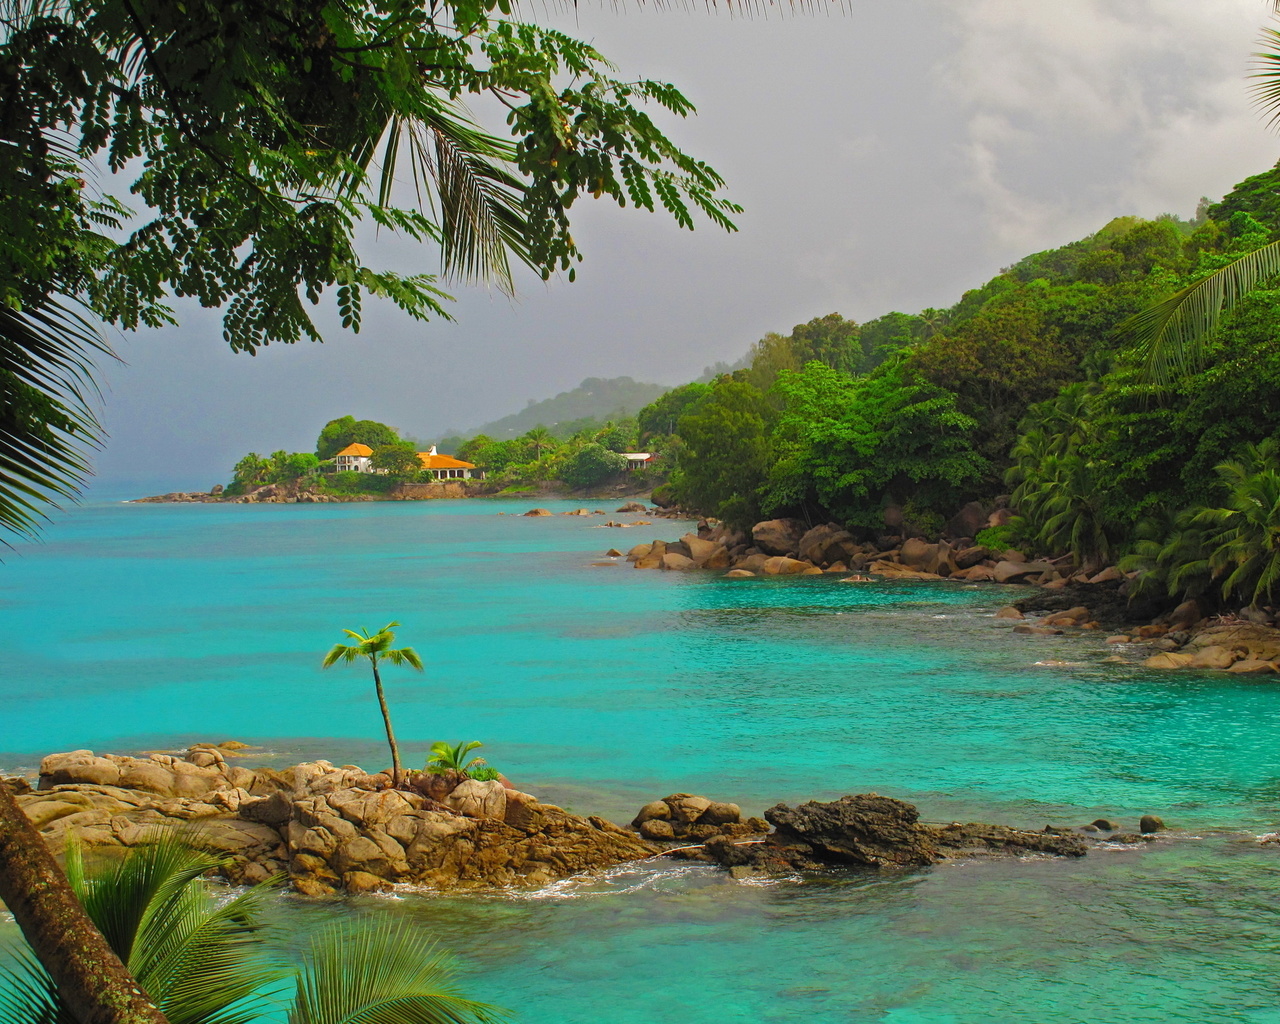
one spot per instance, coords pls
(596, 398)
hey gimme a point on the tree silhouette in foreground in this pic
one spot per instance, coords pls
(204, 961)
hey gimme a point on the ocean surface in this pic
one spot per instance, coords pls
(142, 627)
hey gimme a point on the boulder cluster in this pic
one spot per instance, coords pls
(269, 494)
(790, 547)
(684, 817)
(872, 831)
(325, 828)
(1183, 638)
(1238, 647)
(329, 829)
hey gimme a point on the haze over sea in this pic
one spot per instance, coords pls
(139, 627)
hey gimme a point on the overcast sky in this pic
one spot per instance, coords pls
(889, 157)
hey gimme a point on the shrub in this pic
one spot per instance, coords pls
(485, 773)
(590, 465)
(1000, 538)
(350, 482)
(923, 520)
(663, 496)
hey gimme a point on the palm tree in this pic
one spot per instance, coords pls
(1071, 509)
(375, 646)
(202, 960)
(95, 987)
(1246, 533)
(1172, 332)
(540, 440)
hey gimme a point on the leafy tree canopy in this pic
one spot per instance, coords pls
(591, 465)
(844, 446)
(659, 418)
(255, 138)
(727, 451)
(398, 458)
(345, 430)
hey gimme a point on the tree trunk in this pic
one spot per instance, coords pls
(396, 774)
(95, 986)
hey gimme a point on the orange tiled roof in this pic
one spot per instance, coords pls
(430, 461)
(356, 448)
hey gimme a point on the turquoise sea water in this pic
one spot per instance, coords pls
(600, 688)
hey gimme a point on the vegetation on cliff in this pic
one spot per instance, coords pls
(1027, 386)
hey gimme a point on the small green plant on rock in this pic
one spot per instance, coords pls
(445, 758)
(485, 773)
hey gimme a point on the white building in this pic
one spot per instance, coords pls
(445, 467)
(354, 458)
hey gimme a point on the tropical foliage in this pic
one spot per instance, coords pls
(376, 647)
(1172, 332)
(345, 430)
(446, 758)
(205, 961)
(257, 154)
(1027, 387)
(399, 458)
(256, 471)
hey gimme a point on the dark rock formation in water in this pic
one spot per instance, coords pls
(874, 831)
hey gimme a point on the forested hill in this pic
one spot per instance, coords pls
(595, 399)
(1024, 389)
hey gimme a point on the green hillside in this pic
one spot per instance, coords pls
(1025, 392)
(593, 401)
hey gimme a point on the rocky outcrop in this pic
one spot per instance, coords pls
(779, 536)
(828, 544)
(327, 828)
(684, 817)
(875, 831)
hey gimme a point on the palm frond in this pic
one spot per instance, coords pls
(46, 422)
(389, 975)
(1171, 333)
(1266, 87)
(28, 995)
(195, 958)
(404, 656)
(465, 177)
(342, 652)
(198, 959)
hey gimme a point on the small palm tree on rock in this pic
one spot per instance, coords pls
(377, 647)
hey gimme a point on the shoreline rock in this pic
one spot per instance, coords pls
(873, 831)
(330, 829)
(326, 828)
(684, 817)
(1066, 599)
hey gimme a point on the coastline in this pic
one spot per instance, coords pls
(334, 829)
(1097, 600)
(448, 489)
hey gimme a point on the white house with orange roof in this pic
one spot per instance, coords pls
(354, 458)
(446, 467)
